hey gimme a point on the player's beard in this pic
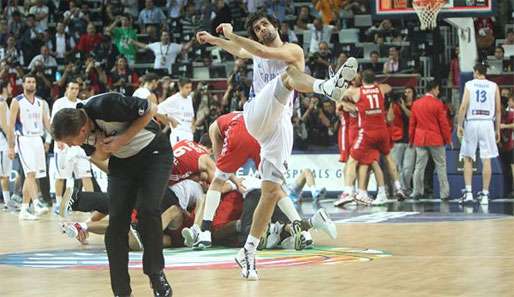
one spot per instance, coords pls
(269, 37)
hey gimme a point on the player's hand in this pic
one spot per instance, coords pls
(460, 133)
(239, 184)
(204, 37)
(497, 135)
(226, 29)
(112, 144)
(10, 153)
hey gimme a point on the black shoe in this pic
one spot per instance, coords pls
(160, 285)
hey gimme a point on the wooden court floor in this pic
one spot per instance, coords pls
(469, 258)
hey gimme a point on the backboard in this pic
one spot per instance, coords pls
(395, 9)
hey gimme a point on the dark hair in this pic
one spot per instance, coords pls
(433, 85)
(73, 81)
(480, 68)
(67, 122)
(3, 84)
(183, 81)
(205, 140)
(413, 91)
(257, 16)
(29, 75)
(374, 53)
(368, 76)
(150, 76)
(501, 48)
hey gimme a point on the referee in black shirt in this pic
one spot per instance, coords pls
(123, 130)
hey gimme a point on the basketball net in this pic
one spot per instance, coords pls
(427, 11)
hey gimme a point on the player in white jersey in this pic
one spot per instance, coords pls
(278, 71)
(149, 83)
(26, 128)
(68, 160)
(5, 162)
(479, 126)
(179, 107)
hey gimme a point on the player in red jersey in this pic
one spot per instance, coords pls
(372, 138)
(190, 158)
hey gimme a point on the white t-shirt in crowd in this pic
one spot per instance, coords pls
(181, 109)
(165, 54)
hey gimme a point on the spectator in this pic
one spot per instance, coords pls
(484, 28)
(130, 7)
(76, 20)
(164, 51)
(287, 35)
(509, 39)
(11, 54)
(319, 33)
(277, 8)
(4, 31)
(454, 75)
(394, 64)
(221, 15)
(40, 11)
(105, 53)
(63, 44)
(43, 79)
(165, 88)
(374, 63)
(45, 58)
(319, 62)
(150, 16)
(507, 144)
(146, 90)
(12, 7)
(122, 36)
(12, 72)
(71, 70)
(499, 54)
(429, 131)
(29, 39)
(15, 24)
(343, 56)
(304, 18)
(89, 41)
(122, 79)
(175, 8)
(328, 9)
(403, 154)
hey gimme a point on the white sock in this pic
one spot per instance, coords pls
(468, 188)
(58, 199)
(486, 192)
(397, 185)
(84, 226)
(212, 200)
(7, 196)
(381, 190)
(316, 86)
(363, 192)
(24, 206)
(287, 207)
(348, 190)
(251, 243)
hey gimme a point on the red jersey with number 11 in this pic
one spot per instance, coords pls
(371, 109)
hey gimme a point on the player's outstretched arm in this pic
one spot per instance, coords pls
(462, 112)
(204, 37)
(288, 53)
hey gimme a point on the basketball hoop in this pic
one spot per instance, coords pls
(427, 11)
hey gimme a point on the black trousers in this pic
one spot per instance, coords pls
(137, 182)
(91, 201)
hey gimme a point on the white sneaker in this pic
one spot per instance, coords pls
(246, 262)
(336, 85)
(363, 198)
(203, 241)
(40, 209)
(307, 238)
(381, 199)
(271, 238)
(483, 198)
(343, 199)
(321, 221)
(190, 235)
(299, 240)
(74, 230)
(466, 197)
(25, 215)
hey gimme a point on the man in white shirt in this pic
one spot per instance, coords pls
(180, 107)
(149, 83)
(319, 33)
(41, 13)
(165, 52)
(69, 161)
(44, 58)
(481, 110)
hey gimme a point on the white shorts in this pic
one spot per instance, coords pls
(269, 122)
(5, 163)
(71, 161)
(479, 134)
(178, 135)
(32, 155)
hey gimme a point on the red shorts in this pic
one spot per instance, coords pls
(369, 145)
(343, 143)
(230, 209)
(238, 148)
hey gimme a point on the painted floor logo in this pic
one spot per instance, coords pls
(186, 259)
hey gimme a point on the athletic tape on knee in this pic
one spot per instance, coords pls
(287, 207)
(212, 200)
